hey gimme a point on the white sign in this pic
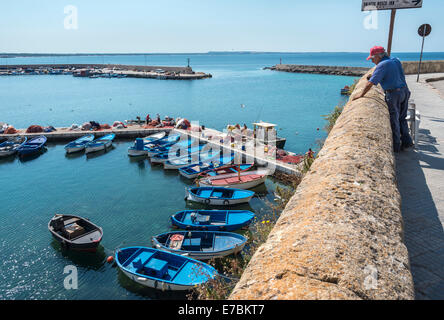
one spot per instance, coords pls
(368, 5)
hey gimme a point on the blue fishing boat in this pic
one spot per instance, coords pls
(100, 144)
(31, 146)
(168, 140)
(212, 220)
(194, 171)
(198, 158)
(218, 196)
(182, 151)
(10, 146)
(200, 245)
(158, 149)
(162, 270)
(79, 144)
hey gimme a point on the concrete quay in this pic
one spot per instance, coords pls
(420, 178)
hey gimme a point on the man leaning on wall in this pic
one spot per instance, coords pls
(390, 74)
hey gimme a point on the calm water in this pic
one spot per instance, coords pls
(129, 198)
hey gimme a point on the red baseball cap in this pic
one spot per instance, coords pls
(375, 50)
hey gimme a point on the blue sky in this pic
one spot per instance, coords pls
(211, 25)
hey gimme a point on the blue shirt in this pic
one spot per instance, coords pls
(389, 74)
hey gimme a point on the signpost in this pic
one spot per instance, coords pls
(424, 30)
(390, 5)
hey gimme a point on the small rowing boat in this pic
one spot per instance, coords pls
(200, 245)
(31, 146)
(100, 144)
(240, 180)
(212, 220)
(176, 153)
(227, 169)
(193, 170)
(198, 158)
(218, 196)
(162, 270)
(79, 144)
(10, 146)
(74, 232)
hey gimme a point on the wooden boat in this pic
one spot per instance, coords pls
(143, 145)
(31, 146)
(74, 232)
(197, 158)
(226, 169)
(162, 270)
(79, 144)
(193, 171)
(10, 146)
(218, 196)
(153, 138)
(200, 245)
(240, 180)
(181, 152)
(212, 220)
(100, 144)
(164, 148)
(168, 140)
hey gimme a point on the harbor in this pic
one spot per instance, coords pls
(104, 71)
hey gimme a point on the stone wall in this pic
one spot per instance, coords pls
(341, 235)
(410, 67)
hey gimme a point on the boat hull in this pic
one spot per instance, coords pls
(98, 147)
(216, 202)
(239, 185)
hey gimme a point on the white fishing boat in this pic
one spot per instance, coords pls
(100, 144)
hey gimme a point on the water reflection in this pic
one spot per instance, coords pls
(32, 156)
(87, 260)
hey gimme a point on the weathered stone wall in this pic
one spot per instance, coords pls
(340, 236)
(410, 67)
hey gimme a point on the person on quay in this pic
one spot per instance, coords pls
(390, 74)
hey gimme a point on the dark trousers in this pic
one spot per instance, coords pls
(398, 102)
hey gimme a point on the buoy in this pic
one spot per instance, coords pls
(110, 259)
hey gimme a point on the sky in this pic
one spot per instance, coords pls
(186, 26)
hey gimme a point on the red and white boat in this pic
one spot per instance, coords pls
(240, 180)
(232, 168)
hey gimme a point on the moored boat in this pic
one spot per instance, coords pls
(212, 220)
(74, 232)
(162, 270)
(10, 146)
(31, 146)
(226, 169)
(79, 144)
(240, 180)
(181, 152)
(218, 196)
(193, 171)
(200, 245)
(197, 158)
(101, 143)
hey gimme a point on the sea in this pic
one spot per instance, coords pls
(131, 199)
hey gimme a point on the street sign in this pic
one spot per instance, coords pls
(390, 4)
(424, 30)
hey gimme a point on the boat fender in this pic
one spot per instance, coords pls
(110, 259)
(207, 201)
(222, 228)
(226, 202)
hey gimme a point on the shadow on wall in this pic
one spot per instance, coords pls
(423, 230)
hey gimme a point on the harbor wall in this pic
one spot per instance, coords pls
(341, 234)
(410, 67)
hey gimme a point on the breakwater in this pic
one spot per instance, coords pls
(410, 67)
(341, 234)
(105, 70)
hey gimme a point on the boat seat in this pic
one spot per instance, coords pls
(233, 180)
(219, 182)
(191, 244)
(216, 194)
(200, 218)
(158, 267)
(141, 260)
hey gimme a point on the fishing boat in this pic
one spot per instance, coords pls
(154, 150)
(101, 143)
(181, 152)
(74, 232)
(193, 171)
(197, 158)
(200, 245)
(162, 270)
(31, 146)
(212, 220)
(168, 140)
(240, 180)
(79, 144)
(226, 169)
(218, 196)
(10, 146)
(138, 149)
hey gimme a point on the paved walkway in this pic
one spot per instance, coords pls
(420, 175)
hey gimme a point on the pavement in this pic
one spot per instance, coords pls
(420, 177)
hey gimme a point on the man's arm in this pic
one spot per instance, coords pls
(367, 87)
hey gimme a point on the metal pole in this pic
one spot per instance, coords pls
(420, 58)
(392, 24)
